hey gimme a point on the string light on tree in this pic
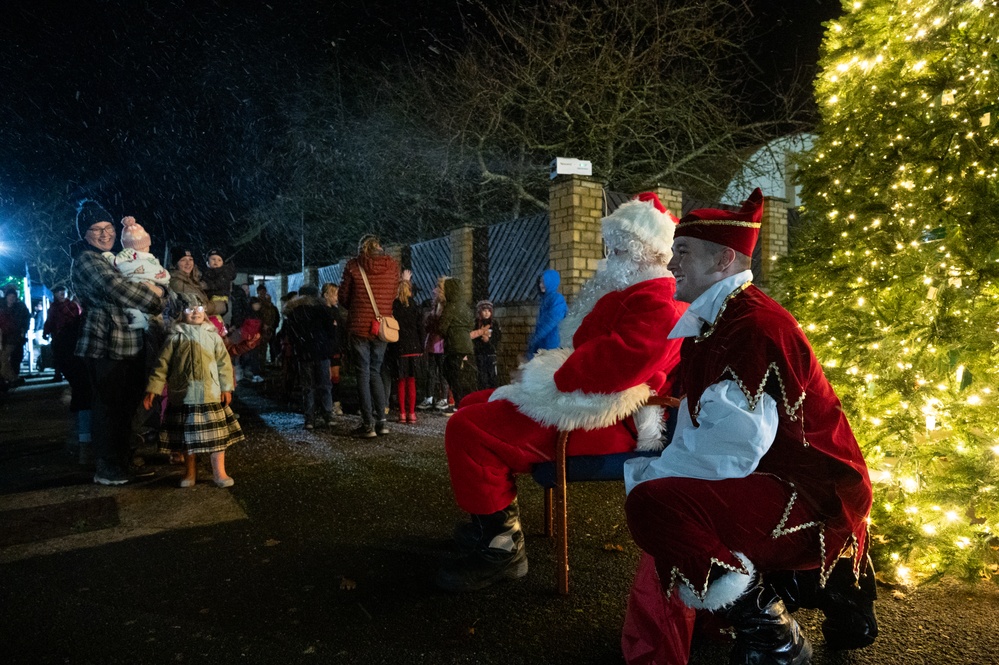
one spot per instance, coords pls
(894, 270)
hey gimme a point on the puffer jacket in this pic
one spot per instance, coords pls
(551, 312)
(383, 275)
(193, 364)
(455, 324)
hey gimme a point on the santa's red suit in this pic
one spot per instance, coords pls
(620, 357)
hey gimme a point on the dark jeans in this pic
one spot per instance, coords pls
(487, 371)
(117, 388)
(434, 384)
(368, 356)
(315, 377)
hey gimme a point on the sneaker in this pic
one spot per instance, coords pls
(110, 474)
(441, 405)
(364, 432)
(381, 429)
(428, 403)
(337, 409)
(309, 425)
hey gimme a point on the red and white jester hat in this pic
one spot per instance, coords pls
(737, 229)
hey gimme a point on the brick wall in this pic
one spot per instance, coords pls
(575, 245)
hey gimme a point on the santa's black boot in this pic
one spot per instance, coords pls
(468, 535)
(765, 632)
(498, 555)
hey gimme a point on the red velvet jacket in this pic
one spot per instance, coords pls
(760, 346)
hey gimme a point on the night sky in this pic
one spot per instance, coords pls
(162, 110)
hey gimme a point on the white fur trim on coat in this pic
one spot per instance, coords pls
(537, 397)
(723, 591)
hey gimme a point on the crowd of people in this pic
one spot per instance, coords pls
(758, 504)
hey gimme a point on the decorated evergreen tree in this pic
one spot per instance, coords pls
(894, 270)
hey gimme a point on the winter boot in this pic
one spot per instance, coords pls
(765, 632)
(498, 555)
(468, 535)
(850, 622)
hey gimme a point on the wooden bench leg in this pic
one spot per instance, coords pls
(549, 511)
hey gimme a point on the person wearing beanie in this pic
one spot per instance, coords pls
(615, 356)
(218, 278)
(185, 278)
(113, 353)
(137, 265)
(762, 474)
(486, 339)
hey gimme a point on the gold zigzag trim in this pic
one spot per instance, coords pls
(721, 310)
(720, 222)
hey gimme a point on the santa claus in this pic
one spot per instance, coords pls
(619, 356)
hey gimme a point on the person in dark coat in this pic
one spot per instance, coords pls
(486, 340)
(409, 349)
(311, 332)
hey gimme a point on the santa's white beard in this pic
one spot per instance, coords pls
(620, 273)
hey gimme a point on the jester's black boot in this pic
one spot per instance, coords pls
(765, 632)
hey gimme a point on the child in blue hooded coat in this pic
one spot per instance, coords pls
(550, 314)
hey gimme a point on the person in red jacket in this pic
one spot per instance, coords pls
(618, 357)
(368, 351)
(762, 474)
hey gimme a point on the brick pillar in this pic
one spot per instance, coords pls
(462, 248)
(575, 246)
(671, 197)
(773, 237)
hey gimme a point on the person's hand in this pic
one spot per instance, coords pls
(226, 397)
(147, 401)
(407, 275)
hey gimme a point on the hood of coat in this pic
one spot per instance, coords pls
(551, 279)
(452, 289)
(303, 301)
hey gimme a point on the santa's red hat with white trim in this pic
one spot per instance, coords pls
(647, 219)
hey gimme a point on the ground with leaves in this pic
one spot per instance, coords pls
(332, 558)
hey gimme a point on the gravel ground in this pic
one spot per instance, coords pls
(333, 558)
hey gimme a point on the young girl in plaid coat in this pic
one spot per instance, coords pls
(195, 368)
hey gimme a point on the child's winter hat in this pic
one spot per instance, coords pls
(88, 213)
(132, 234)
(484, 304)
(214, 252)
(646, 219)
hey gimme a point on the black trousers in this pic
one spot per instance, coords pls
(117, 388)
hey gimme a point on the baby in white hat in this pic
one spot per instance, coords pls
(136, 264)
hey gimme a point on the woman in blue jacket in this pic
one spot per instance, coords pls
(550, 314)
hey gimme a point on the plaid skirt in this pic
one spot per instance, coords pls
(199, 428)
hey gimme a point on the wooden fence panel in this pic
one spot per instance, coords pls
(518, 254)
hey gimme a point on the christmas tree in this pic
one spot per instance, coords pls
(894, 270)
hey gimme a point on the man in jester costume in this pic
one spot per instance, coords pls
(763, 491)
(618, 357)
